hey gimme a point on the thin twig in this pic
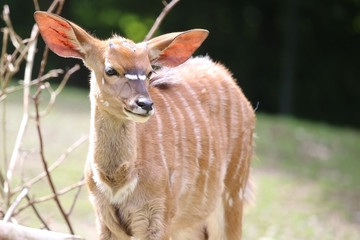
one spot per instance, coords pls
(2, 181)
(54, 4)
(51, 74)
(54, 94)
(160, 18)
(27, 79)
(61, 192)
(43, 62)
(3, 52)
(36, 5)
(60, 7)
(13, 206)
(13, 62)
(3, 119)
(52, 196)
(42, 155)
(4, 147)
(77, 194)
(55, 164)
(15, 38)
(37, 212)
(37, 117)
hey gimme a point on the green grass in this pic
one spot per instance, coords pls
(307, 175)
(307, 178)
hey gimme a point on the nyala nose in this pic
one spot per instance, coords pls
(145, 103)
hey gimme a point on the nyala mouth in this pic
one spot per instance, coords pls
(136, 117)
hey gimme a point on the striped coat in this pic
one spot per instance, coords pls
(170, 148)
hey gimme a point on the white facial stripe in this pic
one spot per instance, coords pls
(107, 64)
(131, 76)
(135, 77)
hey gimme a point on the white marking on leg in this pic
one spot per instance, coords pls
(227, 196)
(115, 197)
(123, 193)
(231, 202)
(241, 194)
(216, 224)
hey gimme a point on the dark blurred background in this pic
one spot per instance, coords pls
(293, 57)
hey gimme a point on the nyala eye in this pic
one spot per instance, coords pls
(150, 74)
(109, 71)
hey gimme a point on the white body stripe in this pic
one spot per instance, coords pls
(160, 139)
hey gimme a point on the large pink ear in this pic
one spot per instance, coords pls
(63, 37)
(173, 49)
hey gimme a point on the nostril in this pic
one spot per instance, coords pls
(145, 103)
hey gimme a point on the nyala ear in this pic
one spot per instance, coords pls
(173, 49)
(63, 37)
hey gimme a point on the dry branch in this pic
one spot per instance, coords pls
(10, 231)
(43, 160)
(160, 18)
(54, 94)
(15, 38)
(56, 164)
(51, 74)
(10, 64)
(37, 213)
(17, 201)
(52, 196)
(25, 118)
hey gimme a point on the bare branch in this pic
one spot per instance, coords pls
(3, 52)
(43, 62)
(48, 175)
(36, 5)
(27, 78)
(17, 201)
(60, 193)
(51, 74)
(52, 196)
(54, 94)
(2, 181)
(55, 164)
(16, 39)
(18, 232)
(12, 64)
(160, 18)
(56, 3)
(77, 194)
(37, 213)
